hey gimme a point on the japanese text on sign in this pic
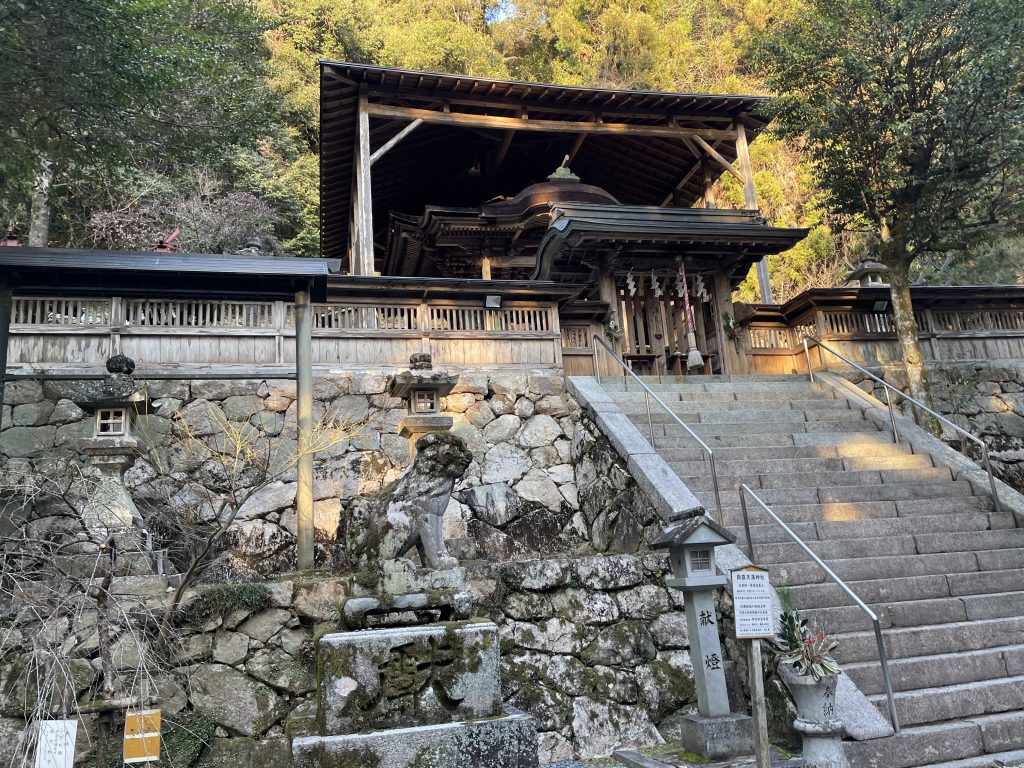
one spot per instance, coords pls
(56, 745)
(752, 596)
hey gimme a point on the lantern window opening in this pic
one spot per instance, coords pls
(700, 560)
(424, 401)
(111, 421)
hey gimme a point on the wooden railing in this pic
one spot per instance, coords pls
(62, 333)
(869, 338)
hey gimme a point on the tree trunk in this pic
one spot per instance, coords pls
(906, 330)
(39, 222)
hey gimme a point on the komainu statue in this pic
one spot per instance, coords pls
(386, 526)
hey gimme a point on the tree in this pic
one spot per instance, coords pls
(914, 115)
(101, 82)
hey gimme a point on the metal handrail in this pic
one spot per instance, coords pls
(882, 658)
(892, 414)
(648, 394)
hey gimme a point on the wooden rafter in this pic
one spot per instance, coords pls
(462, 119)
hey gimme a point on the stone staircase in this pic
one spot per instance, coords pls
(943, 571)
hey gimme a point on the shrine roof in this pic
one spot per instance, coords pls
(633, 145)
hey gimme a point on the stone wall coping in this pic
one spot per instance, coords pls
(669, 495)
(923, 441)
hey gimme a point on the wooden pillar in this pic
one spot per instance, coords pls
(764, 285)
(364, 196)
(743, 155)
(723, 306)
(304, 410)
(485, 267)
(6, 299)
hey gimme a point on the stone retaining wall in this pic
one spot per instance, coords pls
(594, 648)
(985, 398)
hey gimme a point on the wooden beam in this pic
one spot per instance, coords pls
(499, 157)
(304, 413)
(461, 119)
(385, 148)
(576, 147)
(681, 184)
(718, 158)
(364, 245)
(743, 155)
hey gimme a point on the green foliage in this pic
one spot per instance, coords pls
(810, 653)
(222, 599)
(913, 112)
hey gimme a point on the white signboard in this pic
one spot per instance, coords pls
(56, 745)
(752, 598)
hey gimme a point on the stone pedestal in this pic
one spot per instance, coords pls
(817, 724)
(719, 737)
(412, 428)
(417, 697)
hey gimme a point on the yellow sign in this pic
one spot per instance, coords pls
(142, 736)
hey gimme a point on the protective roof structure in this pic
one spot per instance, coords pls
(629, 143)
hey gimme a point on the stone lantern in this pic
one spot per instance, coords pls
(114, 402)
(422, 388)
(713, 731)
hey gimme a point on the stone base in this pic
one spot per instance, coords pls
(402, 678)
(500, 742)
(718, 737)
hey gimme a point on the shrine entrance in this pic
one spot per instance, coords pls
(652, 318)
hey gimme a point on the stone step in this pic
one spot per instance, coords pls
(934, 705)
(918, 612)
(869, 568)
(986, 582)
(845, 493)
(918, 746)
(990, 760)
(829, 594)
(902, 643)
(940, 670)
(818, 479)
(864, 510)
(747, 427)
(772, 533)
(770, 554)
(771, 466)
(634, 403)
(970, 541)
(878, 451)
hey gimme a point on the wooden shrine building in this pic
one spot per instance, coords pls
(590, 196)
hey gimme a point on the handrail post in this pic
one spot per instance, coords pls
(884, 662)
(991, 478)
(807, 354)
(746, 524)
(892, 415)
(714, 482)
(650, 421)
(597, 364)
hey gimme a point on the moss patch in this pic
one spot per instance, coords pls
(222, 599)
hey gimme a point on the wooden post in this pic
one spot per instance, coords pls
(485, 267)
(304, 409)
(6, 299)
(762, 748)
(764, 285)
(743, 155)
(364, 213)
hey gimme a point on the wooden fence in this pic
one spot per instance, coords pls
(83, 333)
(869, 338)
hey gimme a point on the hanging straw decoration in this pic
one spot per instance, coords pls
(693, 357)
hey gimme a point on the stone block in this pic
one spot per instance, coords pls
(23, 391)
(221, 389)
(502, 742)
(718, 737)
(669, 495)
(248, 753)
(494, 503)
(402, 677)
